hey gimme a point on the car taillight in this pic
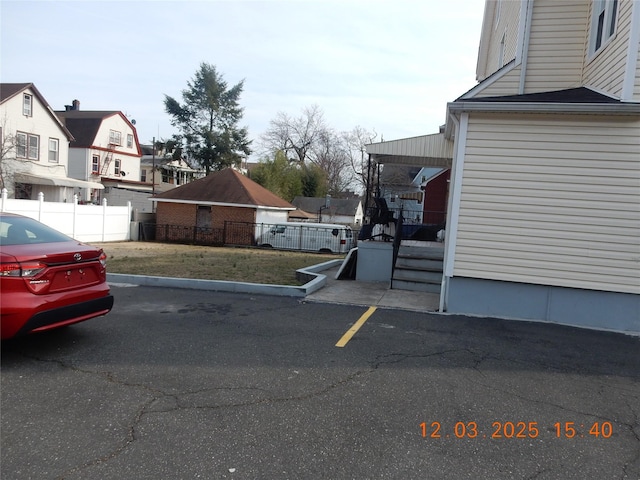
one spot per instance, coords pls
(103, 259)
(28, 270)
(10, 270)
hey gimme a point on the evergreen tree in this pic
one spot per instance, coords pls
(208, 120)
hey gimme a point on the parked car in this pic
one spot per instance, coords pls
(47, 280)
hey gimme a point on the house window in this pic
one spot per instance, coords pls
(95, 164)
(115, 137)
(129, 140)
(603, 23)
(116, 167)
(53, 150)
(27, 146)
(143, 175)
(27, 105)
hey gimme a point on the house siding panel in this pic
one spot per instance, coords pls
(605, 71)
(505, 25)
(552, 201)
(508, 84)
(42, 124)
(636, 85)
(128, 156)
(557, 44)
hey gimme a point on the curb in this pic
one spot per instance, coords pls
(315, 281)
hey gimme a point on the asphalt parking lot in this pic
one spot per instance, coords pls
(181, 384)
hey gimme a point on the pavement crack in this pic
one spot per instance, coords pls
(393, 358)
(130, 436)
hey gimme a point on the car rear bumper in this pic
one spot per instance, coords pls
(67, 315)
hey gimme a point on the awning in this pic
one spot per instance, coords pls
(55, 180)
(417, 196)
(424, 151)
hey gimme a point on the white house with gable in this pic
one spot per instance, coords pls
(543, 219)
(105, 148)
(35, 147)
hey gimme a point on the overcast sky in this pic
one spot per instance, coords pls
(388, 66)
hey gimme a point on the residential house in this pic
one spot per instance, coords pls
(420, 192)
(347, 211)
(201, 210)
(543, 219)
(105, 149)
(170, 172)
(35, 147)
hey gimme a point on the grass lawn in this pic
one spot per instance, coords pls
(212, 263)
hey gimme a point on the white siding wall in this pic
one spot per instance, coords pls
(557, 45)
(130, 161)
(508, 84)
(42, 124)
(78, 164)
(504, 24)
(605, 71)
(551, 200)
(636, 88)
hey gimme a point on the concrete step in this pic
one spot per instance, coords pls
(415, 286)
(414, 263)
(418, 269)
(419, 276)
(436, 253)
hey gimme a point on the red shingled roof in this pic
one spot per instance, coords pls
(225, 186)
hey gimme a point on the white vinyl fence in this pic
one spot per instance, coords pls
(86, 223)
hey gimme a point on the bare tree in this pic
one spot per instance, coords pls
(307, 140)
(7, 153)
(330, 154)
(295, 136)
(356, 141)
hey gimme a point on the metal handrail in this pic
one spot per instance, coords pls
(396, 242)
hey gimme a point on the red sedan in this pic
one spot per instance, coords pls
(47, 280)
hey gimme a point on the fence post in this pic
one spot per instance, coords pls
(5, 194)
(40, 202)
(104, 217)
(75, 214)
(129, 219)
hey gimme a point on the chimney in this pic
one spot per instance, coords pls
(75, 105)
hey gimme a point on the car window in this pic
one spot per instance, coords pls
(22, 231)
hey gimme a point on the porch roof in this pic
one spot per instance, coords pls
(426, 151)
(57, 181)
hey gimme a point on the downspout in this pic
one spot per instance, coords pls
(524, 43)
(453, 210)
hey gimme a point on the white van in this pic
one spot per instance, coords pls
(312, 237)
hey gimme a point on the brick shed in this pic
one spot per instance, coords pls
(205, 210)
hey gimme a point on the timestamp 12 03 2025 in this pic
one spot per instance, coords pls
(517, 430)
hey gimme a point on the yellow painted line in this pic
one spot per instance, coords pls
(356, 326)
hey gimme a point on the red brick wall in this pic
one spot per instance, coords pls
(231, 214)
(183, 214)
